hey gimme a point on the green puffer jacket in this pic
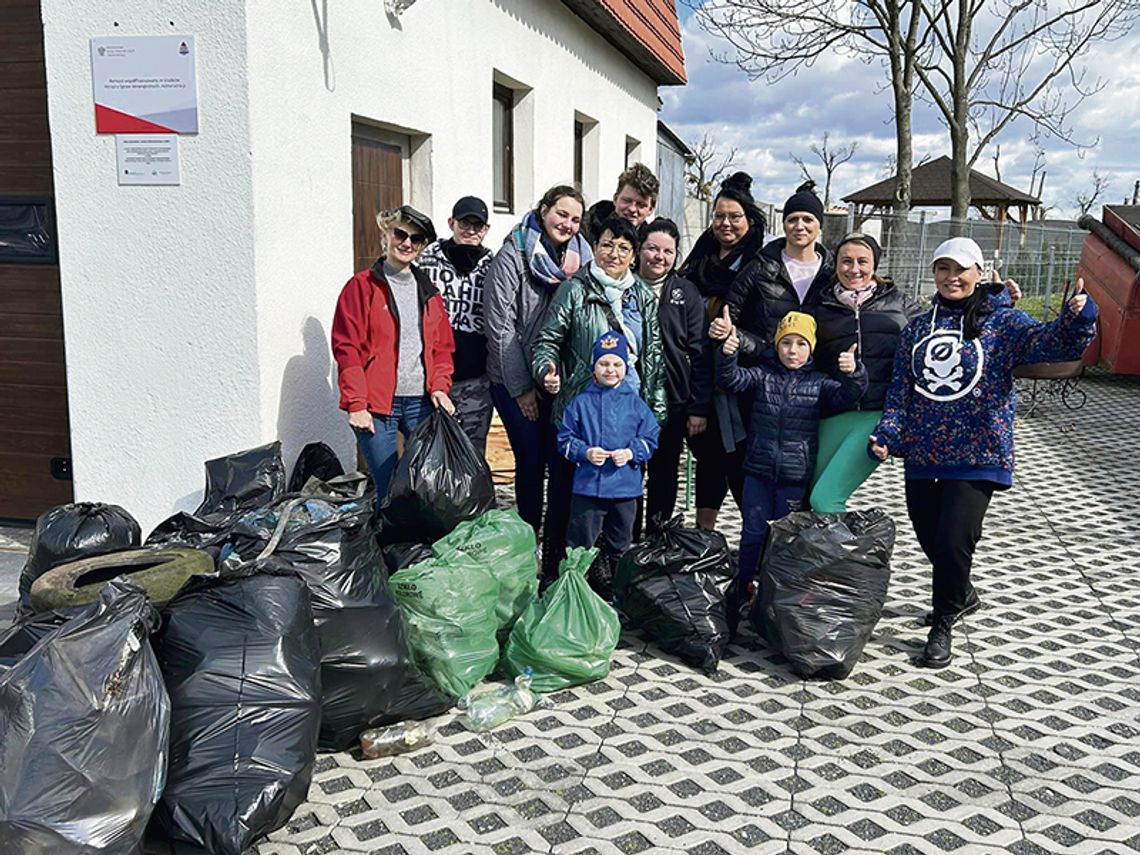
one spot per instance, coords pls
(575, 318)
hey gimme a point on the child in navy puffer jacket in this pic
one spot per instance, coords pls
(610, 432)
(783, 437)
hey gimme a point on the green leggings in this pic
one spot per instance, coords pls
(843, 463)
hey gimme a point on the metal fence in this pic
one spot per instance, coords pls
(1041, 256)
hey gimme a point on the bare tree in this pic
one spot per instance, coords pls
(771, 39)
(831, 158)
(1085, 201)
(985, 64)
(708, 166)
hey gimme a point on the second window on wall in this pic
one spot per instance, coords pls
(503, 133)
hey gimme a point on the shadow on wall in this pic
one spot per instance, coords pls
(322, 18)
(308, 410)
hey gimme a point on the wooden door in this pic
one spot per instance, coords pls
(35, 441)
(377, 184)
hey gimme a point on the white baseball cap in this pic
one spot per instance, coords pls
(962, 250)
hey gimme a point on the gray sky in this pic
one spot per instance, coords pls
(768, 122)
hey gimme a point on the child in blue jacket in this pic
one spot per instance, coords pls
(783, 437)
(611, 434)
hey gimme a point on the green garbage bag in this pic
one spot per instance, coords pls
(501, 542)
(449, 605)
(568, 635)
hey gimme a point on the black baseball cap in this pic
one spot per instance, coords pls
(470, 206)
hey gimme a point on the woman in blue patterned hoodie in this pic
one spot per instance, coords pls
(949, 414)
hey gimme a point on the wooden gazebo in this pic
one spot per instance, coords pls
(930, 188)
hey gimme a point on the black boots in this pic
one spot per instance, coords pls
(972, 605)
(937, 653)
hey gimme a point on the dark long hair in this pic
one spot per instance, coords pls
(975, 309)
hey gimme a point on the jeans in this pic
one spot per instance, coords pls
(379, 449)
(947, 517)
(531, 446)
(763, 501)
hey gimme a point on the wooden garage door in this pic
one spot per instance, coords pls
(377, 184)
(34, 434)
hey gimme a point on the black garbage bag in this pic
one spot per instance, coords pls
(241, 661)
(672, 586)
(70, 532)
(208, 531)
(368, 677)
(18, 639)
(316, 460)
(249, 479)
(84, 724)
(440, 481)
(397, 556)
(823, 583)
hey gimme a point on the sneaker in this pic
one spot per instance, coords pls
(972, 605)
(937, 653)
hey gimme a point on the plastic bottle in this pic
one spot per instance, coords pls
(488, 709)
(397, 739)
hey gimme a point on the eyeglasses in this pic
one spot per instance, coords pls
(728, 218)
(621, 250)
(418, 239)
(470, 225)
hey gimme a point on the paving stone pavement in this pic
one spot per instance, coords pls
(1028, 743)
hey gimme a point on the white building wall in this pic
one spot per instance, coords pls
(157, 282)
(227, 284)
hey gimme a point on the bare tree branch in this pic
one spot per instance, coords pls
(708, 166)
(1100, 183)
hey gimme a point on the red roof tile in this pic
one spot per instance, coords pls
(647, 31)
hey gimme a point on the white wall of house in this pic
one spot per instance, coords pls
(197, 316)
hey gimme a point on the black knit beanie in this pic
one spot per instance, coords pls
(738, 188)
(804, 200)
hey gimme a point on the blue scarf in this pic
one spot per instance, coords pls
(540, 253)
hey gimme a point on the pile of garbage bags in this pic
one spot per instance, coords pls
(199, 717)
(823, 584)
(673, 587)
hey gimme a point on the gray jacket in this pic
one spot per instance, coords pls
(514, 307)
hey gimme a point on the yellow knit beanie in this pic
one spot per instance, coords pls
(798, 323)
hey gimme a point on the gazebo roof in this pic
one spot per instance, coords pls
(930, 187)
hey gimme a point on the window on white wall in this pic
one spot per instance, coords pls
(632, 151)
(585, 154)
(503, 148)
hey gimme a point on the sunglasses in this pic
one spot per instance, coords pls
(418, 239)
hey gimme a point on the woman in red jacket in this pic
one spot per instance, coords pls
(393, 344)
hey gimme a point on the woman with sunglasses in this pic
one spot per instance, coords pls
(539, 254)
(393, 344)
(604, 296)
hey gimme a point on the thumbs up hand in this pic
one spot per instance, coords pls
(732, 343)
(847, 360)
(552, 382)
(1010, 285)
(1077, 304)
(721, 327)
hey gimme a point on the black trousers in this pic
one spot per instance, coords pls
(661, 490)
(612, 518)
(947, 517)
(718, 471)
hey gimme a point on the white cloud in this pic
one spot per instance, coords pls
(846, 97)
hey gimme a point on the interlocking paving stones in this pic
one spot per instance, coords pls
(1029, 742)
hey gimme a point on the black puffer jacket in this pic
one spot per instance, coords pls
(783, 440)
(763, 293)
(875, 328)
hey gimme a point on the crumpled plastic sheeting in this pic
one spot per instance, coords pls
(84, 724)
(823, 583)
(672, 587)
